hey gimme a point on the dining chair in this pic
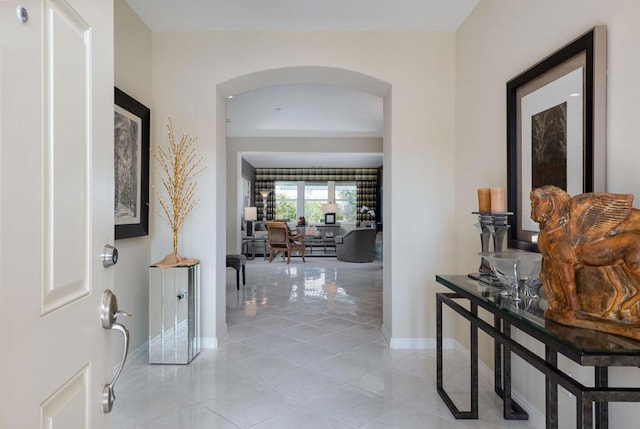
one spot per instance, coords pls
(281, 240)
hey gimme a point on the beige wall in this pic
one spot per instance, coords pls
(188, 69)
(133, 76)
(499, 40)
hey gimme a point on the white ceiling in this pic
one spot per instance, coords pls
(304, 110)
(303, 15)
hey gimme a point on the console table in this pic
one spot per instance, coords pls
(585, 347)
(253, 242)
(324, 242)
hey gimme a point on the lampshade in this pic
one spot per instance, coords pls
(265, 193)
(250, 213)
(330, 208)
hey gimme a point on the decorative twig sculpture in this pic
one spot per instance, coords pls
(591, 259)
(177, 169)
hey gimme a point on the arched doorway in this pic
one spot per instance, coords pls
(285, 76)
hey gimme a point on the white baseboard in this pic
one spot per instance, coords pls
(538, 418)
(214, 342)
(414, 343)
(209, 343)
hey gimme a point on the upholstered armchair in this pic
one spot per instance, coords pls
(357, 245)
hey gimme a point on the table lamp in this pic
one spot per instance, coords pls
(330, 210)
(250, 214)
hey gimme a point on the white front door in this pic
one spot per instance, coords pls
(56, 212)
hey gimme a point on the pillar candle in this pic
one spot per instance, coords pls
(498, 201)
(484, 200)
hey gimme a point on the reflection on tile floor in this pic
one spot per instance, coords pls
(304, 350)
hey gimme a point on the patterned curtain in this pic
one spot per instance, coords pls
(366, 185)
(271, 199)
(316, 174)
(365, 196)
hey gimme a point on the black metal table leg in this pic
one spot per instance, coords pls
(473, 412)
(511, 409)
(584, 412)
(245, 249)
(602, 408)
(551, 401)
(438, 343)
(506, 370)
(497, 359)
(474, 362)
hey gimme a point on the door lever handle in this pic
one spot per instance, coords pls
(109, 310)
(108, 314)
(122, 313)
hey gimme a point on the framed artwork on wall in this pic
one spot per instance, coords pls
(131, 166)
(246, 192)
(556, 119)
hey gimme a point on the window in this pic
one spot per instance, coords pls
(345, 198)
(315, 195)
(295, 199)
(286, 200)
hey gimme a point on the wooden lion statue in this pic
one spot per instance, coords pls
(591, 259)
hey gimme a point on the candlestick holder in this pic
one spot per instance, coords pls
(492, 228)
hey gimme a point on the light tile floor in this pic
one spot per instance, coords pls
(304, 350)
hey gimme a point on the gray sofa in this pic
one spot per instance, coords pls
(357, 245)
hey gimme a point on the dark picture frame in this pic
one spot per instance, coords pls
(131, 166)
(556, 129)
(329, 218)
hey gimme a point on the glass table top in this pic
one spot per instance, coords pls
(530, 312)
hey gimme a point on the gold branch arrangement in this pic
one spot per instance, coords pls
(178, 168)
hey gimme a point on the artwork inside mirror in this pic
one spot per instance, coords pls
(556, 129)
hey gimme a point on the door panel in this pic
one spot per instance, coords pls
(66, 43)
(69, 407)
(56, 212)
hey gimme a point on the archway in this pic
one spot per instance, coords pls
(306, 75)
